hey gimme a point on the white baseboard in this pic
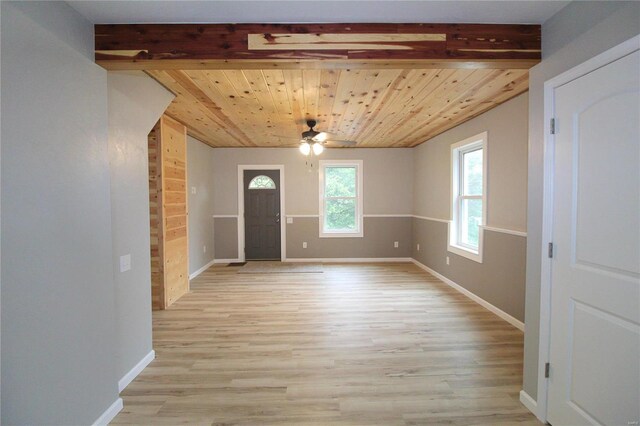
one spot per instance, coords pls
(529, 402)
(217, 261)
(110, 413)
(499, 312)
(349, 259)
(137, 369)
(201, 270)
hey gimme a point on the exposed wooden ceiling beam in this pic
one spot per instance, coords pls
(317, 46)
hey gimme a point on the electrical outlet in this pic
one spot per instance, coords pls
(204, 249)
(418, 247)
(304, 244)
(193, 189)
(447, 260)
(395, 244)
(125, 263)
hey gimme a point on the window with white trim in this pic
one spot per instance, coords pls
(341, 198)
(468, 196)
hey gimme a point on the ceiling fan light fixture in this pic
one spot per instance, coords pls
(305, 148)
(317, 148)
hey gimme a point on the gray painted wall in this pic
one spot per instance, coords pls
(388, 189)
(500, 279)
(379, 235)
(58, 323)
(576, 33)
(226, 237)
(200, 176)
(136, 102)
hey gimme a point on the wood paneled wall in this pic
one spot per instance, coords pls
(157, 277)
(168, 212)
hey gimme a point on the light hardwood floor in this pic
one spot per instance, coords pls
(383, 344)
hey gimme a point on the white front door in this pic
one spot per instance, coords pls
(595, 282)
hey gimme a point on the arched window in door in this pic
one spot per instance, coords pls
(262, 182)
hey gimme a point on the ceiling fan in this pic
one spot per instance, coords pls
(314, 141)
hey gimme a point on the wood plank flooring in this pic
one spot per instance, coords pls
(366, 344)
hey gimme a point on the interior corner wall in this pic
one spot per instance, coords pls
(388, 191)
(58, 322)
(500, 278)
(577, 33)
(135, 103)
(200, 198)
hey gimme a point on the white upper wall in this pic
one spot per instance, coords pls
(506, 126)
(388, 178)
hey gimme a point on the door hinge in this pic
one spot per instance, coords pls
(552, 126)
(550, 251)
(547, 367)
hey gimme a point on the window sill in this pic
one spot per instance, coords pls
(341, 235)
(465, 252)
(476, 256)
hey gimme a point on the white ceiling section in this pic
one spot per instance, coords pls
(318, 11)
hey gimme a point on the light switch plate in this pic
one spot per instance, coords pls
(289, 220)
(193, 189)
(125, 263)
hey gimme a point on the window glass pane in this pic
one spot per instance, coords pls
(340, 181)
(340, 214)
(472, 172)
(470, 220)
(262, 182)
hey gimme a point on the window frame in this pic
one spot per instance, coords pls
(454, 238)
(275, 187)
(359, 232)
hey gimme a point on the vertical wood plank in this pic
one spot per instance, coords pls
(173, 144)
(168, 212)
(155, 217)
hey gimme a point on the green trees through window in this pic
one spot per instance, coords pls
(471, 208)
(340, 198)
(341, 205)
(468, 198)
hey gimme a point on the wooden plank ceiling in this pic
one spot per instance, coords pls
(375, 108)
(380, 85)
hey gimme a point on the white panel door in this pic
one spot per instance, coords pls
(595, 281)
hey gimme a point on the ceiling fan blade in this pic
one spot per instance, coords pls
(321, 137)
(340, 143)
(293, 138)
